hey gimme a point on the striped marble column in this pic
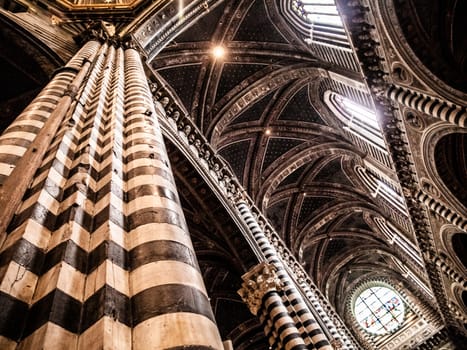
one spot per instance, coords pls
(98, 254)
(304, 320)
(106, 317)
(430, 105)
(41, 262)
(24, 143)
(260, 291)
(338, 337)
(170, 305)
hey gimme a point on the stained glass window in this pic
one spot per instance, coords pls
(379, 310)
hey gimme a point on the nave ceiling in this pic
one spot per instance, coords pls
(285, 145)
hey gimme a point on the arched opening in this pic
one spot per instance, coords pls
(459, 243)
(451, 164)
(25, 68)
(435, 32)
(464, 298)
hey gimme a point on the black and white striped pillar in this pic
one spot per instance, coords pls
(98, 254)
(309, 329)
(42, 261)
(260, 291)
(430, 105)
(170, 305)
(338, 337)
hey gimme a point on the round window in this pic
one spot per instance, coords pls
(379, 310)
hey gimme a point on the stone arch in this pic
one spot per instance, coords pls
(416, 54)
(451, 163)
(431, 147)
(459, 244)
(26, 66)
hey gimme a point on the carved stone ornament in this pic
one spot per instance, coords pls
(336, 344)
(257, 282)
(414, 120)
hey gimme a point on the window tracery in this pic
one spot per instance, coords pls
(321, 27)
(380, 189)
(379, 310)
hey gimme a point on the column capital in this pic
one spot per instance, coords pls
(95, 30)
(128, 42)
(260, 280)
(336, 344)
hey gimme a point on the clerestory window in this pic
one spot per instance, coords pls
(322, 29)
(357, 119)
(380, 189)
(318, 11)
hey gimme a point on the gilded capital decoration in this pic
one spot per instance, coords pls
(336, 344)
(257, 282)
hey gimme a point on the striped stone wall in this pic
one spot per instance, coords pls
(430, 105)
(98, 254)
(440, 208)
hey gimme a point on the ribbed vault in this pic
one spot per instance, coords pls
(261, 107)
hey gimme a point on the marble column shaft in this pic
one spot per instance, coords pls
(261, 292)
(98, 255)
(304, 320)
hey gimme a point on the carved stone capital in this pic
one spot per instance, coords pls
(257, 282)
(336, 344)
(94, 30)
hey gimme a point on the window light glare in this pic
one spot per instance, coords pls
(267, 131)
(383, 187)
(356, 109)
(379, 310)
(180, 8)
(218, 52)
(321, 11)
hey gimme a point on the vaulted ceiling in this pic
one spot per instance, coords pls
(261, 108)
